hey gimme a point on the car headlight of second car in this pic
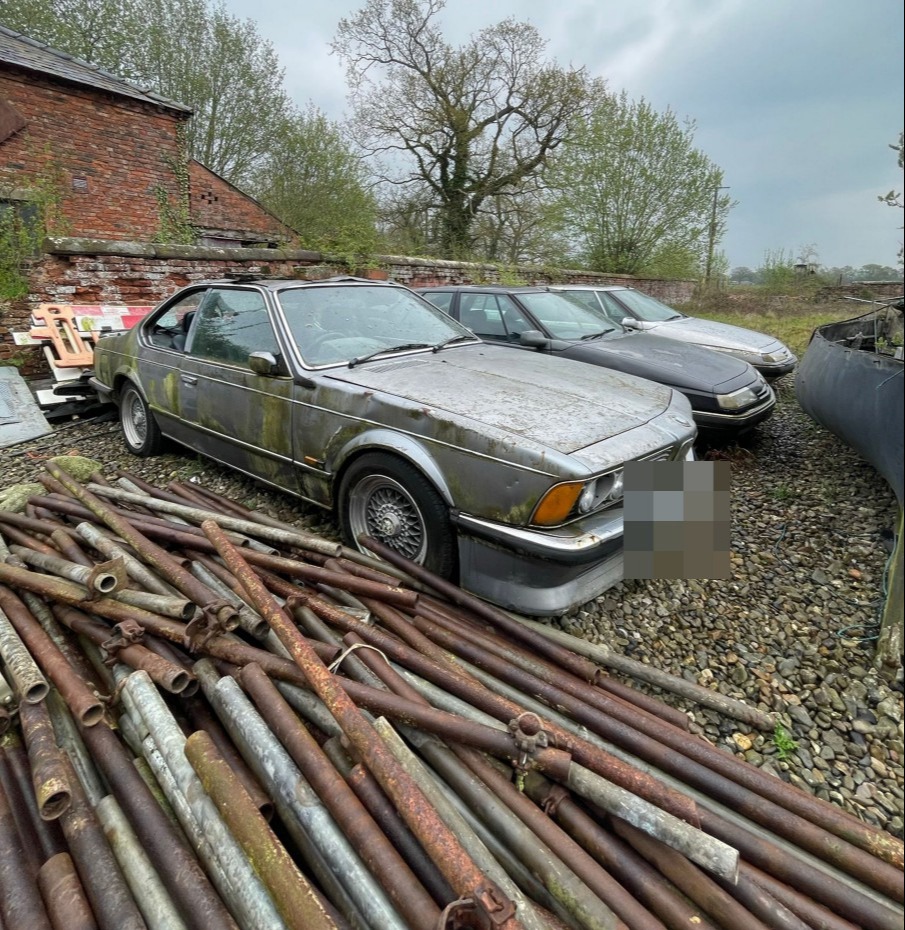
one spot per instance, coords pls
(737, 399)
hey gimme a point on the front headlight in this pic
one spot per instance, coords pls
(737, 399)
(577, 498)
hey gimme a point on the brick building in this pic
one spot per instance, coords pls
(109, 154)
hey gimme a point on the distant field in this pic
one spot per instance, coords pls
(791, 319)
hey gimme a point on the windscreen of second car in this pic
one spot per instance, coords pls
(331, 325)
(641, 305)
(565, 318)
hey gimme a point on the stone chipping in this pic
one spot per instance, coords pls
(791, 632)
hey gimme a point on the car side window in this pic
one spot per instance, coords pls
(229, 325)
(441, 299)
(168, 331)
(481, 314)
(613, 309)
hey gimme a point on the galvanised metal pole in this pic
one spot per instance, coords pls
(292, 893)
(251, 904)
(150, 894)
(328, 850)
(188, 885)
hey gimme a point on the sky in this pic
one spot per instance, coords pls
(796, 103)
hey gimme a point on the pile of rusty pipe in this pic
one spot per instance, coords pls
(381, 857)
(771, 856)
(809, 810)
(328, 850)
(453, 680)
(675, 751)
(162, 561)
(250, 902)
(669, 748)
(419, 625)
(440, 843)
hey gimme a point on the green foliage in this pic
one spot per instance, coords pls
(176, 218)
(310, 178)
(635, 193)
(464, 126)
(24, 223)
(783, 742)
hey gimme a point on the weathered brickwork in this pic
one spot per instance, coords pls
(218, 207)
(76, 271)
(109, 157)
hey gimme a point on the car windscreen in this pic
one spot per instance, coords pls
(642, 306)
(564, 318)
(332, 324)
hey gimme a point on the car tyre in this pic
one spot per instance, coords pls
(140, 430)
(386, 498)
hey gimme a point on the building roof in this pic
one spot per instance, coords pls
(22, 52)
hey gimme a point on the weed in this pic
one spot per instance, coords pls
(783, 742)
(783, 493)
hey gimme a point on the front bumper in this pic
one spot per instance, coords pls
(772, 372)
(536, 572)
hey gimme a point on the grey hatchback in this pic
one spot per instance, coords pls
(496, 468)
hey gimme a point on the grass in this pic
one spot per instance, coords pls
(791, 318)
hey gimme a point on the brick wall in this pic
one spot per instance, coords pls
(79, 271)
(110, 155)
(218, 207)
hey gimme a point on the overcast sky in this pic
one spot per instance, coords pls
(795, 102)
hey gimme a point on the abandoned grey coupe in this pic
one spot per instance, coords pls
(498, 469)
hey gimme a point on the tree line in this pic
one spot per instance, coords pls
(488, 150)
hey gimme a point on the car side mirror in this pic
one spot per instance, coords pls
(264, 363)
(533, 338)
(629, 322)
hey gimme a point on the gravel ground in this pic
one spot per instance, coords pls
(790, 632)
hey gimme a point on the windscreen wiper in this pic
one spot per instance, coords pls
(451, 340)
(400, 348)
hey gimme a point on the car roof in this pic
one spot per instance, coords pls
(590, 287)
(500, 288)
(278, 283)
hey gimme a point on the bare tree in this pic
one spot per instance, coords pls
(467, 124)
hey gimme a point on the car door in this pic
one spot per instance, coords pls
(235, 415)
